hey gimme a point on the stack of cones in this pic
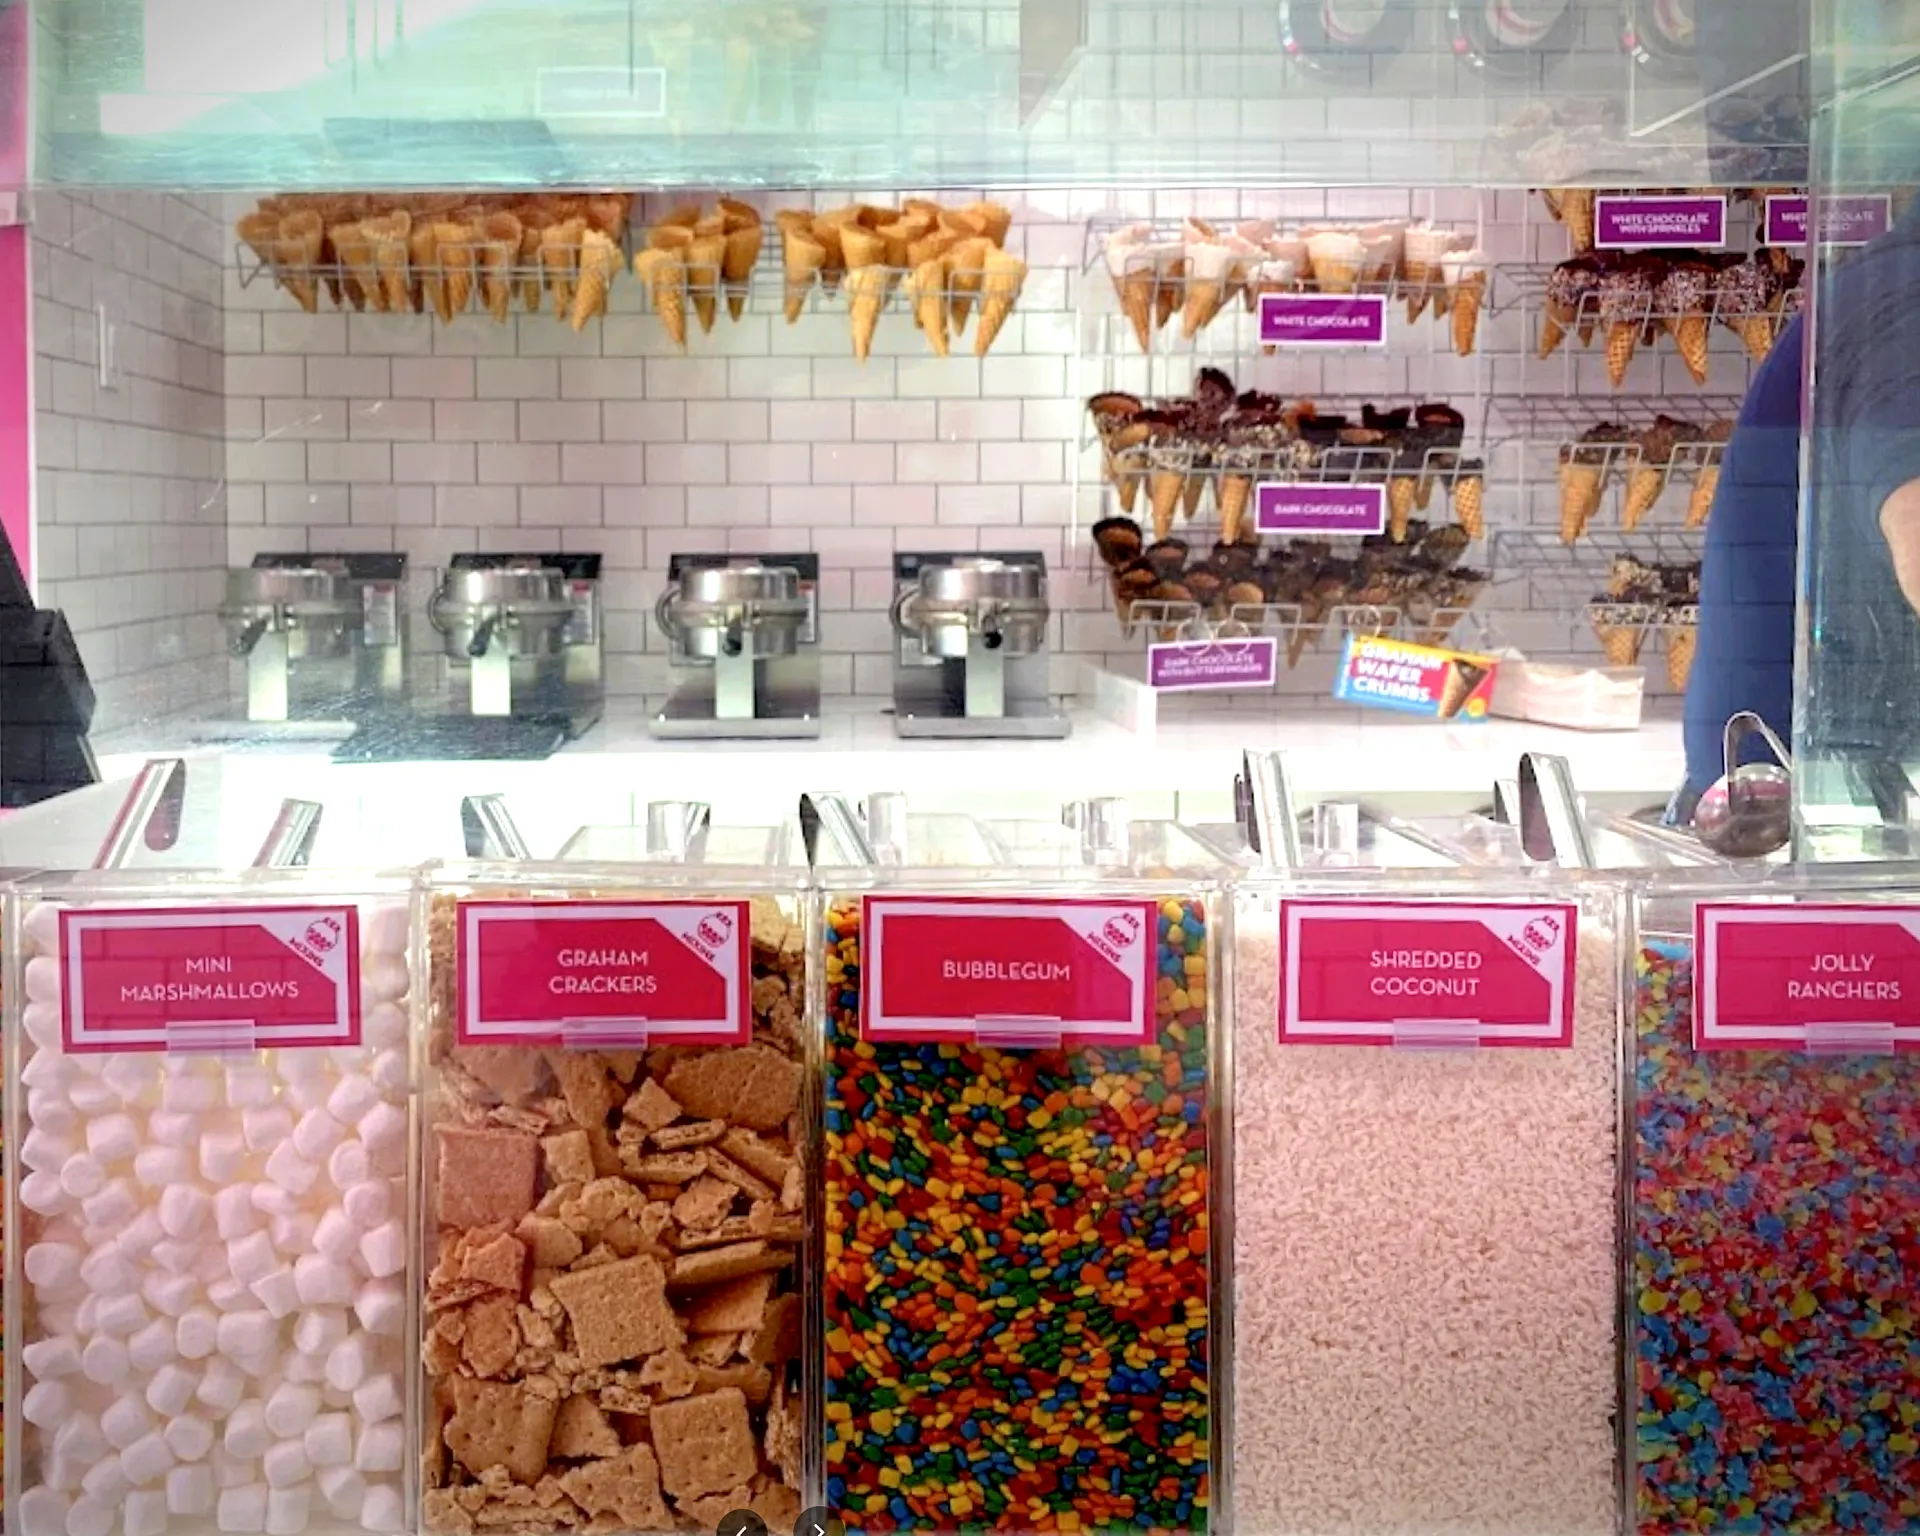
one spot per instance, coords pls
(1621, 630)
(438, 251)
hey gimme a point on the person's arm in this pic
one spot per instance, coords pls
(1900, 524)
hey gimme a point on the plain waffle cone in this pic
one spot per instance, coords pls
(1700, 503)
(1553, 330)
(929, 284)
(802, 257)
(1622, 337)
(1136, 303)
(260, 230)
(388, 238)
(998, 291)
(600, 259)
(1576, 212)
(1192, 494)
(706, 258)
(529, 259)
(1620, 643)
(1690, 334)
(1204, 298)
(429, 282)
(966, 270)
(1580, 486)
(1681, 644)
(861, 247)
(1129, 469)
(743, 253)
(1421, 276)
(1164, 489)
(665, 280)
(866, 294)
(297, 251)
(1643, 490)
(499, 249)
(1468, 295)
(1470, 505)
(355, 251)
(993, 219)
(1757, 332)
(1167, 288)
(560, 261)
(1236, 491)
(1400, 492)
(453, 244)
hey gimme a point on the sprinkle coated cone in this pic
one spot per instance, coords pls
(1681, 644)
(1400, 494)
(1579, 499)
(998, 291)
(1620, 643)
(1622, 337)
(1470, 505)
(1468, 296)
(600, 259)
(1236, 492)
(665, 281)
(1700, 502)
(866, 293)
(1164, 489)
(1643, 490)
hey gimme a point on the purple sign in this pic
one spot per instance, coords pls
(1656, 223)
(1184, 666)
(1324, 319)
(1843, 220)
(1312, 507)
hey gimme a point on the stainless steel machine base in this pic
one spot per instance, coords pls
(689, 713)
(1024, 720)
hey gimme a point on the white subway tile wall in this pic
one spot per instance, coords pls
(379, 431)
(130, 497)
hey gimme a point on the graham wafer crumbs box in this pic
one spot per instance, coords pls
(617, 1200)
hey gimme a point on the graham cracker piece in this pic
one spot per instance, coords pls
(771, 929)
(606, 1156)
(778, 1337)
(495, 1425)
(581, 1429)
(738, 1306)
(551, 1243)
(669, 1373)
(735, 1229)
(500, 1262)
(619, 1311)
(513, 1072)
(712, 1349)
(705, 1444)
(706, 1514)
(783, 1435)
(668, 1167)
(443, 1513)
(779, 1506)
(729, 1263)
(755, 1381)
(651, 1107)
(704, 1203)
(485, 1178)
(793, 1189)
(695, 1133)
(569, 1157)
(626, 1486)
(767, 1159)
(752, 1085)
(723, 1167)
(589, 1092)
(597, 1204)
(623, 1065)
(492, 1338)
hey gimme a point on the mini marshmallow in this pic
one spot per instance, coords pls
(291, 1409)
(230, 1295)
(106, 1480)
(383, 1127)
(230, 1471)
(89, 1095)
(81, 1175)
(121, 1314)
(385, 1027)
(52, 1266)
(130, 1074)
(306, 1093)
(43, 1151)
(271, 1200)
(322, 1282)
(170, 1128)
(112, 1138)
(169, 1294)
(41, 1191)
(222, 1386)
(252, 1257)
(44, 1512)
(288, 1510)
(125, 1421)
(49, 1069)
(368, 1203)
(384, 976)
(41, 1021)
(105, 1273)
(388, 926)
(347, 1362)
(147, 1460)
(42, 979)
(377, 1398)
(46, 1403)
(178, 1259)
(136, 1240)
(329, 1440)
(391, 1074)
(157, 1167)
(48, 1111)
(384, 1250)
(351, 1098)
(60, 1320)
(249, 1085)
(336, 1235)
(247, 1333)
(278, 1292)
(348, 1165)
(317, 1134)
(242, 1509)
(114, 1206)
(144, 1513)
(380, 1307)
(343, 1489)
(286, 1463)
(104, 1362)
(61, 1473)
(247, 1433)
(379, 1449)
(266, 1128)
(222, 1154)
(188, 1092)
(183, 1208)
(189, 1437)
(381, 1511)
(286, 1168)
(90, 1517)
(197, 1334)
(311, 1369)
(293, 1234)
(234, 1213)
(170, 1390)
(319, 1330)
(190, 1491)
(48, 1359)
(152, 1348)
(333, 1399)
(79, 1436)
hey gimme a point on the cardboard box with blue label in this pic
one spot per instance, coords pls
(1414, 679)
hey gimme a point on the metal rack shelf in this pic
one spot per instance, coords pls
(1293, 623)
(1573, 575)
(1551, 419)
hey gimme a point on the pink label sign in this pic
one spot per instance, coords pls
(184, 978)
(959, 968)
(1324, 319)
(1808, 976)
(547, 973)
(1310, 507)
(1659, 223)
(1187, 666)
(1851, 220)
(1427, 973)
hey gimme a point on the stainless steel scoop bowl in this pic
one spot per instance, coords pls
(1747, 813)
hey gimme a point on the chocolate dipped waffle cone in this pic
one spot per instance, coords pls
(1619, 643)
(1706, 485)
(1401, 490)
(1165, 487)
(1682, 641)
(1469, 504)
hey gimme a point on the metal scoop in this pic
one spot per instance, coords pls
(1747, 813)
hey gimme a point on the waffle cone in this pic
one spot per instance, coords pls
(1421, 276)
(742, 255)
(966, 271)
(429, 281)
(1164, 487)
(998, 290)
(1690, 336)
(1458, 688)
(861, 247)
(706, 257)
(1204, 297)
(355, 251)
(1336, 276)
(1553, 330)
(560, 261)
(600, 259)
(1681, 644)
(1236, 491)
(453, 245)
(1192, 494)
(1620, 643)
(388, 239)
(1167, 288)
(1304, 634)
(993, 219)
(260, 230)
(804, 257)
(530, 284)
(1643, 490)
(1129, 469)
(1470, 505)
(1576, 212)
(1468, 295)
(1423, 491)
(1757, 332)
(497, 255)
(665, 278)
(296, 250)
(1700, 502)
(1400, 493)
(1579, 499)
(1622, 337)
(866, 293)
(930, 302)
(1587, 324)
(1136, 303)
